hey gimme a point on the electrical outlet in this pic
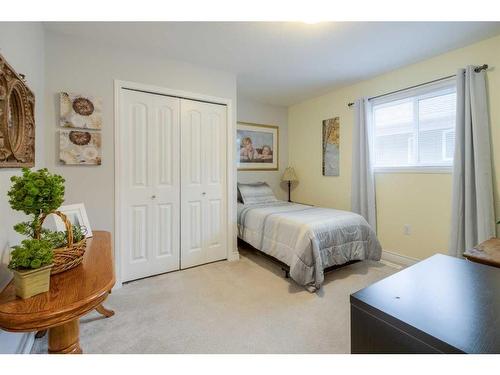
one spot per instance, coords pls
(407, 229)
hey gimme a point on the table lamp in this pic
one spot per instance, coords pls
(289, 176)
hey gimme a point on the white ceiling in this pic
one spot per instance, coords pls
(283, 63)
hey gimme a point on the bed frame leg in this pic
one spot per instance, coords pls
(287, 273)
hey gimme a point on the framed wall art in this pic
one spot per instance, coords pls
(331, 147)
(79, 147)
(80, 111)
(257, 147)
(17, 119)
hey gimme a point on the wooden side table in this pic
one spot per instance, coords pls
(487, 252)
(72, 294)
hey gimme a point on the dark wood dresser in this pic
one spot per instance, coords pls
(439, 305)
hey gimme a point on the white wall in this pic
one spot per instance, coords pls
(89, 67)
(22, 45)
(254, 112)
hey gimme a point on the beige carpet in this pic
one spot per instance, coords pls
(228, 307)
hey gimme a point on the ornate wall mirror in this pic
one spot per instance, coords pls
(17, 120)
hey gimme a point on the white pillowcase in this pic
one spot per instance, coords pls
(258, 192)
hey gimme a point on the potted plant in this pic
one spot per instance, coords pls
(37, 194)
(31, 263)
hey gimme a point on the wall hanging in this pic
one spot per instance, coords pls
(331, 146)
(80, 111)
(257, 147)
(17, 119)
(79, 147)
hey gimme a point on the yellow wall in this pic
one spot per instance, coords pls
(421, 200)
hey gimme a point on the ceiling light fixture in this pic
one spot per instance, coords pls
(312, 20)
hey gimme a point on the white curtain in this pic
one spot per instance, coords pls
(472, 219)
(363, 184)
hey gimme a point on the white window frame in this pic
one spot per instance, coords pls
(425, 91)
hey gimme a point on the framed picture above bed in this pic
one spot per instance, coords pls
(257, 147)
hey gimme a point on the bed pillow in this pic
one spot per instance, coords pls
(259, 192)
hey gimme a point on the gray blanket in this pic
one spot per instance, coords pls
(308, 239)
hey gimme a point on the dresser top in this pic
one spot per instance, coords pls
(454, 301)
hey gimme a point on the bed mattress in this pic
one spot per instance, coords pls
(306, 238)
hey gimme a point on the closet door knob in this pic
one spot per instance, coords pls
(203, 193)
(153, 196)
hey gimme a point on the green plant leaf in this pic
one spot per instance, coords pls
(31, 254)
(26, 193)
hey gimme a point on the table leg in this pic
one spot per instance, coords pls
(65, 339)
(104, 311)
(40, 334)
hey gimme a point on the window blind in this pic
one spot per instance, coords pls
(415, 128)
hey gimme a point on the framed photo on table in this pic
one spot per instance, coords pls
(76, 214)
(257, 147)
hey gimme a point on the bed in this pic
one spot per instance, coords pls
(307, 239)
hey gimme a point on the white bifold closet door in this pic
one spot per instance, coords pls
(149, 184)
(172, 183)
(203, 183)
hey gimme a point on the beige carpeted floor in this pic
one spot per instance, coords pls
(228, 307)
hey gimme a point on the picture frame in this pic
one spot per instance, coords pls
(78, 147)
(257, 147)
(17, 119)
(330, 164)
(80, 111)
(76, 214)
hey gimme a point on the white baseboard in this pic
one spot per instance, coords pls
(16, 343)
(26, 343)
(235, 255)
(398, 259)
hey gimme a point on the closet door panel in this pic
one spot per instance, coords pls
(136, 183)
(203, 155)
(149, 184)
(166, 179)
(167, 134)
(138, 234)
(214, 220)
(215, 182)
(194, 220)
(138, 136)
(193, 153)
(215, 149)
(166, 225)
(192, 249)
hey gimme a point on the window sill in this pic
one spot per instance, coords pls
(438, 170)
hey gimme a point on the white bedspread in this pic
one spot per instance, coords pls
(308, 239)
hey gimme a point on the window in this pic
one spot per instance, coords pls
(415, 128)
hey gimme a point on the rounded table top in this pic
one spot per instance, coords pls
(72, 293)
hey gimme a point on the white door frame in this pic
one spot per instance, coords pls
(231, 232)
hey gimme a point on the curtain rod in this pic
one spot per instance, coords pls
(477, 70)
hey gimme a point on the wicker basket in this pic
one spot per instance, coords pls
(65, 258)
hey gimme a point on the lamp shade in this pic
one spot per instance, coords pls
(289, 175)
